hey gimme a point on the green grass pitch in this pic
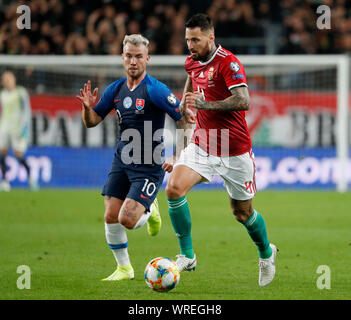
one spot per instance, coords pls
(60, 236)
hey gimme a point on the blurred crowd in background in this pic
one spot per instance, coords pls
(243, 26)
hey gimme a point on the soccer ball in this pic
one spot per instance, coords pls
(162, 274)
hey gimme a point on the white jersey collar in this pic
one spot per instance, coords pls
(214, 54)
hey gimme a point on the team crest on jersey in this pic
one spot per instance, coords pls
(234, 66)
(140, 103)
(127, 102)
(210, 73)
(172, 99)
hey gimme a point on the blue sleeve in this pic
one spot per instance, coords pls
(105, 104)
(164, 99)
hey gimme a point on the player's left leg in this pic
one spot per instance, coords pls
(20, 145)
(141, 205)
(21, 159)
(238, 173)
(4, 146)
(256, 228)
(254, 223)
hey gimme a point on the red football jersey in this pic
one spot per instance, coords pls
(220, 133)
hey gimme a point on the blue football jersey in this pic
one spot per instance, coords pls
(141, 114)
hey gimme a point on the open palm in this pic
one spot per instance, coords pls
(87, 97)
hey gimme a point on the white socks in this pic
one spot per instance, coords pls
(117, 240)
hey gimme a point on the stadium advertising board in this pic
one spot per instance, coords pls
(293, 140)
(291, 119)
(282, 168)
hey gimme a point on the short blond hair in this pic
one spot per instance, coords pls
(136, 40)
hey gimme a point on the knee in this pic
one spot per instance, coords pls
(128, 215)
(241, 215)
(174, 191)
(126, 222)
(111, 215)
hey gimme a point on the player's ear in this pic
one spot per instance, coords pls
(212, 37)
(148, 58)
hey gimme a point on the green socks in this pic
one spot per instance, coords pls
(181, 220)
(256, 228)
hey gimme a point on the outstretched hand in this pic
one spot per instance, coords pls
(86, 97)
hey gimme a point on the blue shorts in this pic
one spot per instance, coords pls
(138, 182)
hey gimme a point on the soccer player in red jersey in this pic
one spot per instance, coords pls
(216, 86)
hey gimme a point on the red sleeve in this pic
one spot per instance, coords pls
(233, 72)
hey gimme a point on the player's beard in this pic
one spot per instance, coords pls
(135, 75)
(205, 56)
(197, 57)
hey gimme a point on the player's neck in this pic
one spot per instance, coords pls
(210, 53)
(132, 83)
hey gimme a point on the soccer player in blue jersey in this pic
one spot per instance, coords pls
(141, 103)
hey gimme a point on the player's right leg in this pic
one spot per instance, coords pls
(117, 240)
(180, 182)
(114, 191)
(190, 170)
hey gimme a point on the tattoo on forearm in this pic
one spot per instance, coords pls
(238, 101)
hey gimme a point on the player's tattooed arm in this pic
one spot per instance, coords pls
(238, 101)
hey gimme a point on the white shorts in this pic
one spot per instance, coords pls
(13, 140)
(238, 172)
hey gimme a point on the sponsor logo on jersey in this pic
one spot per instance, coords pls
(172, 99)
(210, 73)
(127, 102)
(234, 66)
(237, 76)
